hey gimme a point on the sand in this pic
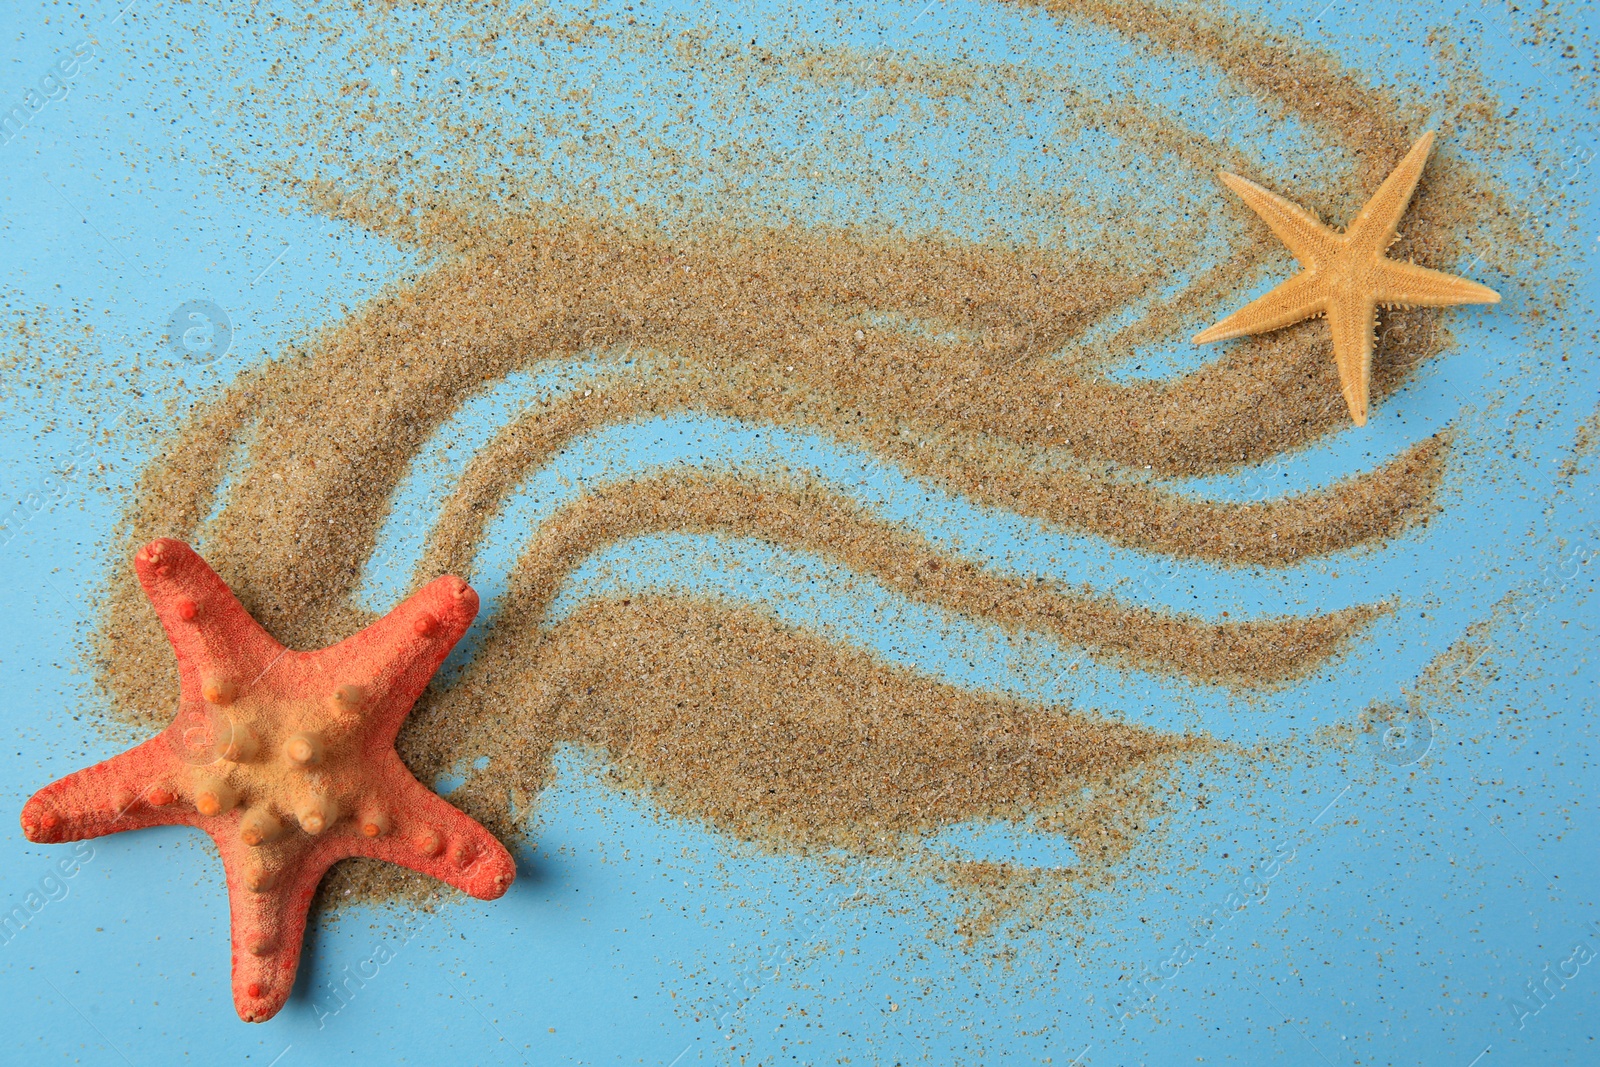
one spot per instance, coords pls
(959, 361)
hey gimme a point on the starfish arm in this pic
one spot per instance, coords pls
(208, 627)
(429, 835)
(1408, 285)
(129, 791)
(1300, 231)
(268, 926)
(393, 660)
(1374, 227)
(1352, 322)
(288, 776)
(1301, 297)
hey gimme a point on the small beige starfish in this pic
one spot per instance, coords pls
(1346, 276)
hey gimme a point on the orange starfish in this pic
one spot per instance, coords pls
(1346, 276)
(286, 759)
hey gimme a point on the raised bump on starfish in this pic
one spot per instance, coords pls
(1346, 276)
(227, 764)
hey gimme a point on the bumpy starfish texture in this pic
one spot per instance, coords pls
(286, 759)
(1346, 275)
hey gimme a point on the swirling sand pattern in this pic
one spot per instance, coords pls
(945, 361)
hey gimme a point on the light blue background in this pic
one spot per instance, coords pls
(1416, 902)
